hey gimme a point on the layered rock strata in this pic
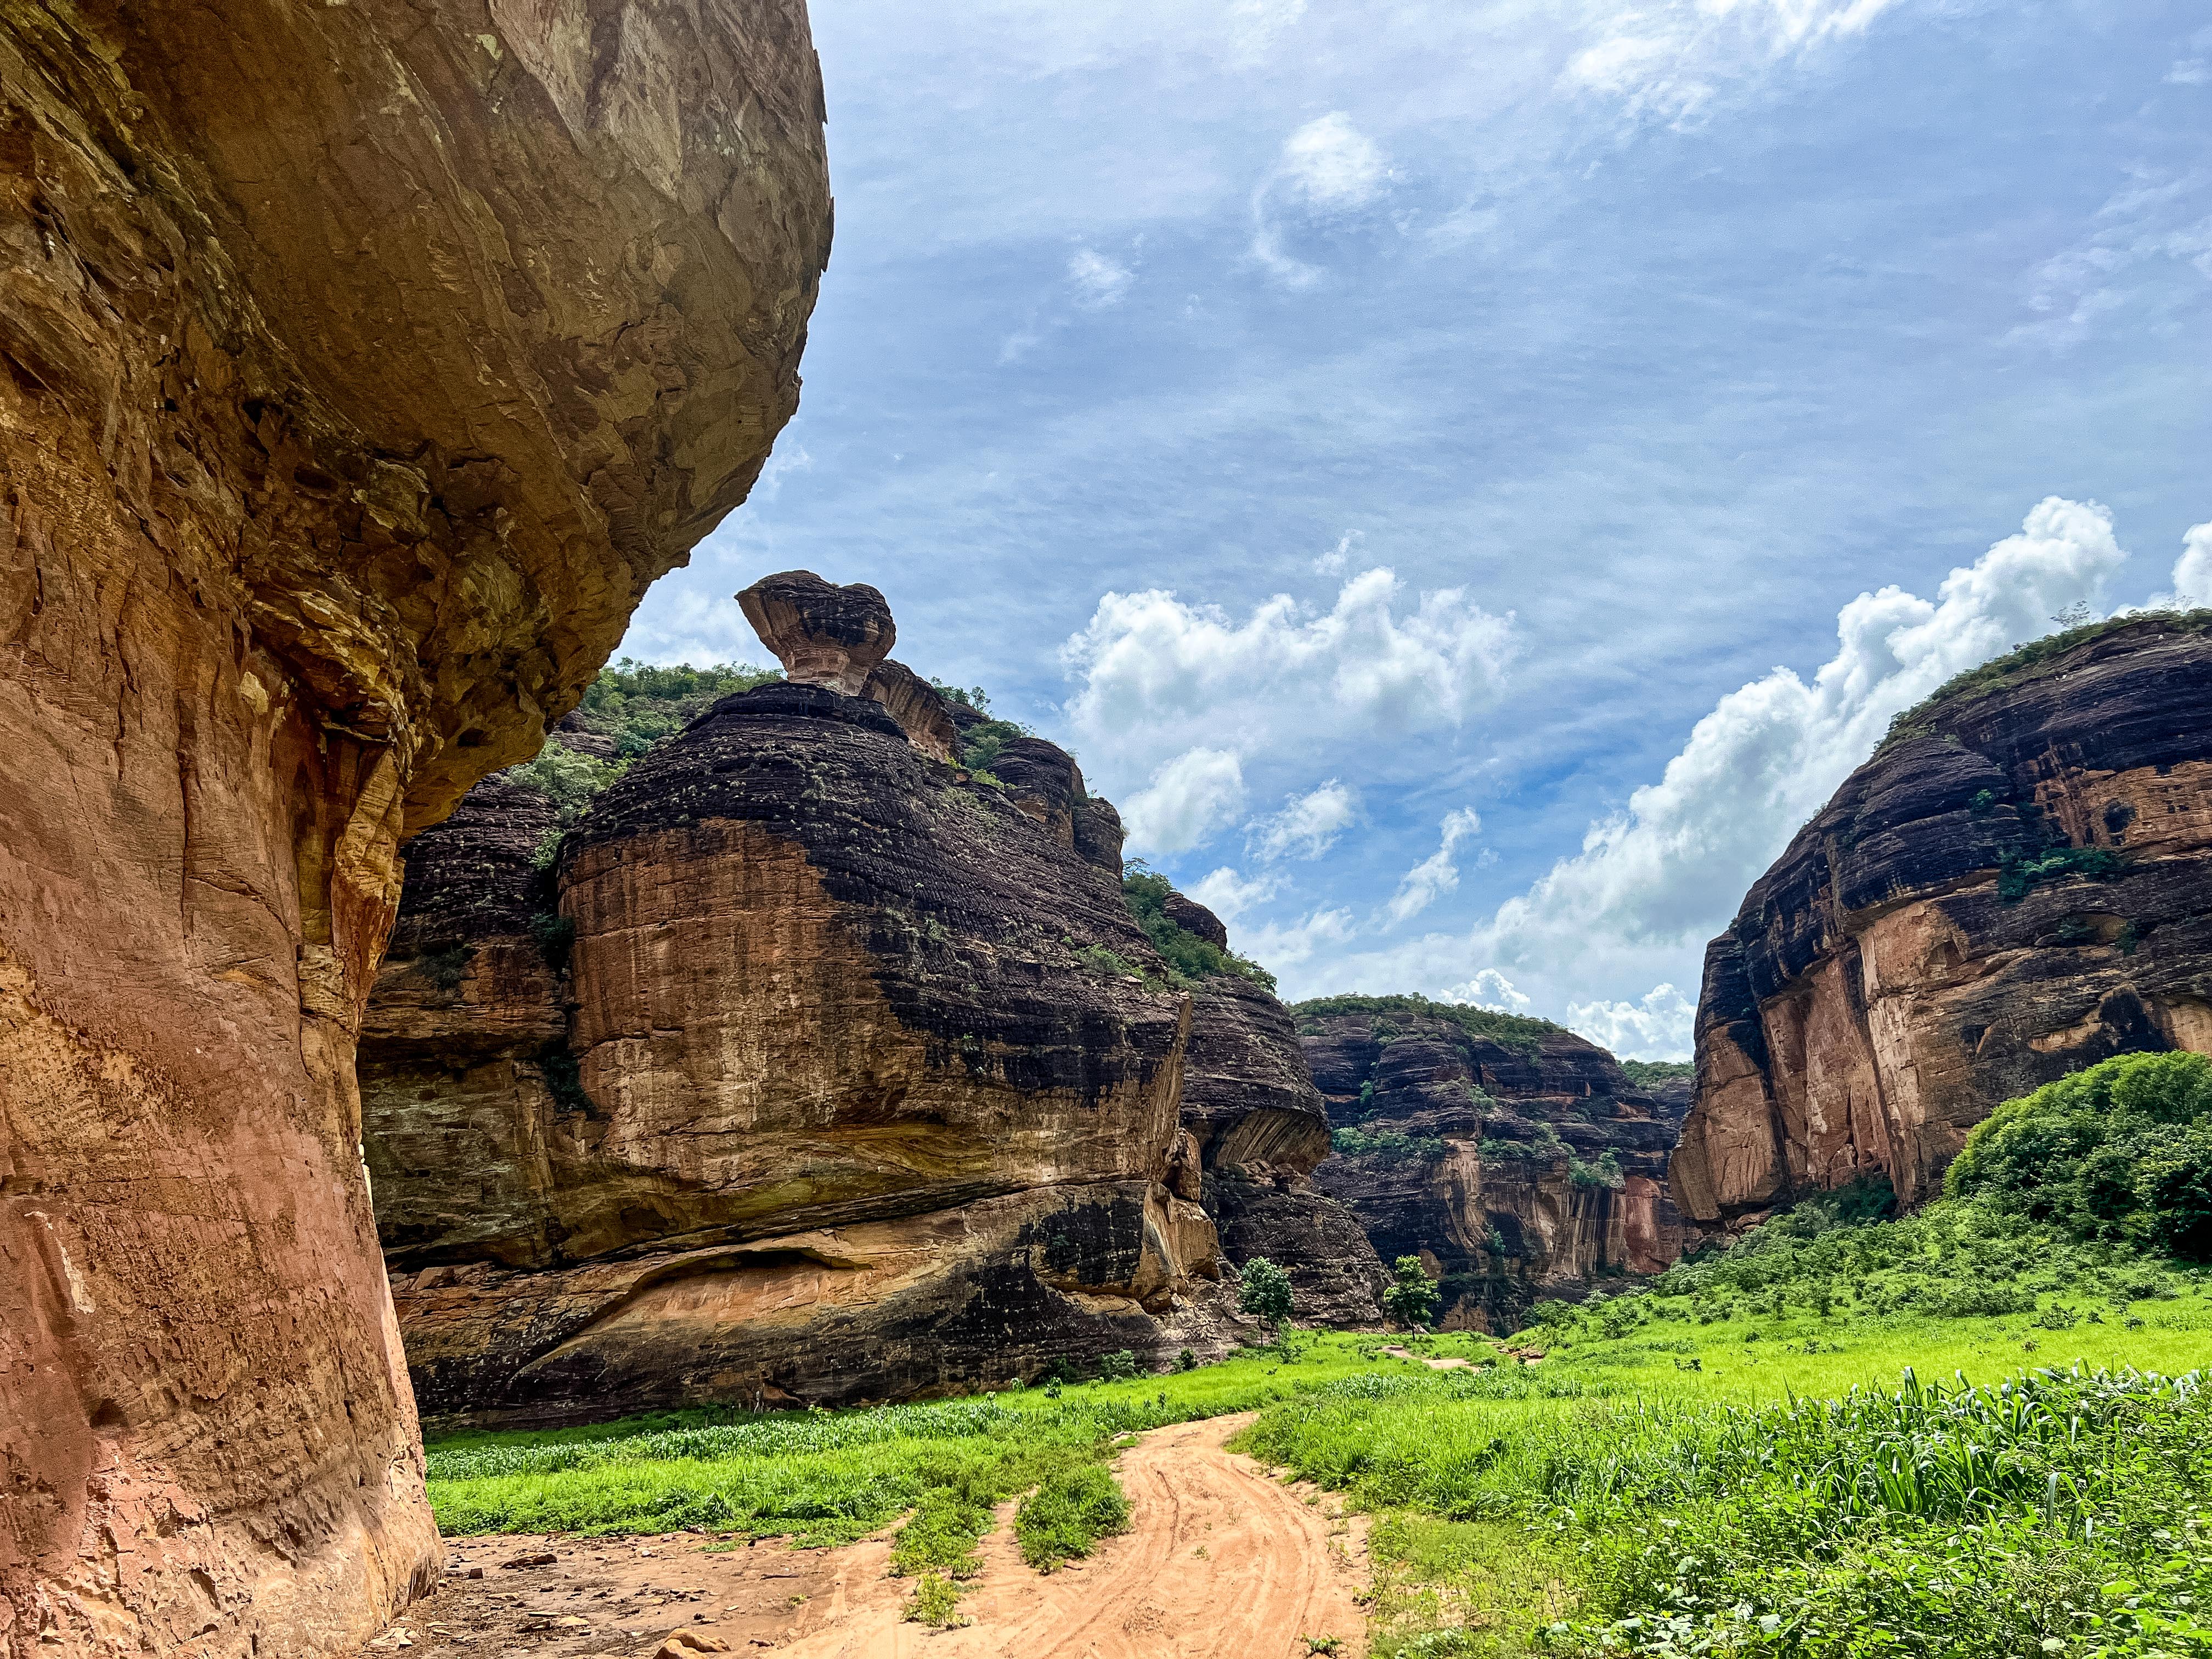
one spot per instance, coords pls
(1258, 1128)
(2018, 884)
(1515, 1159)
(829, 1089)
(360, 366)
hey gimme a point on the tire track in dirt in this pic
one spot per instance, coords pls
(1220, 1562)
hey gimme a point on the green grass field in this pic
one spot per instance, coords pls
(1980, 1432)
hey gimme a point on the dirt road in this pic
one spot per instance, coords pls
(1220, 1562)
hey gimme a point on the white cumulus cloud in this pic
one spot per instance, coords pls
(2192, 571)
(1330, 163)
(1653, 883)
(1661, 1025)
(1229, 894)
(1099, 282)
(1438, 874)
(1308, 825)
(1671, 58)
(1489, 989)
(1159, 676)
(1189, 797)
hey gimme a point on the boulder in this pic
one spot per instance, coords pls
(2015, 887)
(823, 634)
(364, 363)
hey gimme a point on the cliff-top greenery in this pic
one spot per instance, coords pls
(636, 705)
(2030, 661)
(1390, 1014)
(1145, 892)
(1646, 1073)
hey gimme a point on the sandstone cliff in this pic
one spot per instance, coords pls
(818, 1069)
(360, 366)
(1260, 1127)
(2015, 886)
(1515, 1159)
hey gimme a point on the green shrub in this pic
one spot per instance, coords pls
(1646, 1073)
(1070, 1512)
(1412, 1296)
(1116, 1367)
(1264, 1290)
(1390, 1145)
(2122, 1150)
(2021, 872)
(1146, 891)
(1603, 1175)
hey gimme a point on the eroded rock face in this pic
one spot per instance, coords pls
(1258, 1128)
(1470, 1143)
(1938, 940)
(850, 1114)
(359, 366)
(823, 635)
(916, 705)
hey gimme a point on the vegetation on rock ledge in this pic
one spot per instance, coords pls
(1188, 956)
(1511, 1030)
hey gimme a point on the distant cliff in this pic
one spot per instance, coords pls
(1517, 1159)
(2015, 886)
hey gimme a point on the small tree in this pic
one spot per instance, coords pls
(1264, 1289)
(1412, 1296)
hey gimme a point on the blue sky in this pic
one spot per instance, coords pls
(1468, 478)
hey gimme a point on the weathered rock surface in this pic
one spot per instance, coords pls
(823, 634)
(831, 1104)
(1938, 940)
(914, 704)
(1259, 1126)
(360, 366)
(1464, 1145)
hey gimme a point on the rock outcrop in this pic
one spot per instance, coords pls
(824, 634)
(1259, 1126)
(1514, 1158)
(2018, 884)
(360, 366)
(810, 1074)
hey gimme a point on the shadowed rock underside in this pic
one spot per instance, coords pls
(360, 366)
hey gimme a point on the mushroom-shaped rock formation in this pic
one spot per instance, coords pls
(2017, 885)
(856, 1100)
(1515, 1158)
(823, 634)
(364, 363)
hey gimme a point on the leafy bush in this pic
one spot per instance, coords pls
(1412, 1296)
(1070, 1512)
(2020, 873)
(2122, 1150)
(1117, 1367)
(1646, 1073)
(1603, 1175)
(1264, 1290)
(637, 705)
(1188, 956)
(1389, 1145)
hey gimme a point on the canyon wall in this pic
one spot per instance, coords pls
(1515, 1159)
(2018, 884)
(360, 365)
(816, 1068)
